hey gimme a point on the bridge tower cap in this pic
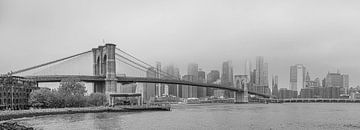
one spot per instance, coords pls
(110, 44)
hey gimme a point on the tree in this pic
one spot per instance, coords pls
(73, 91)
(97, 99)
(72, 87)
(56, 100)
(40, 98)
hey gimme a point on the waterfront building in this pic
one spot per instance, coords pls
(275, 83)
(227, 77)
(212, 77)
(284, 93)
(260, 89)
(297, 77)
(355, 95)
(320, 92)
(193, 70)
(15, 92)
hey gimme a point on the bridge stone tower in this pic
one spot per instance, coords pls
(241, 82)
(105, 65)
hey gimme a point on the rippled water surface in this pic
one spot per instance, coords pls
(219, 116)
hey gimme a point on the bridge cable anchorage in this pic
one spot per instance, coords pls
(162, 73)
(48, 63)
(146, 63)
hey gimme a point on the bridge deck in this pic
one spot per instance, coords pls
(86, 78)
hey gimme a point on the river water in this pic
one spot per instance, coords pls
(212, 116)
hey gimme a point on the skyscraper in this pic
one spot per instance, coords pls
(173, 73)
(337, 80)
(201, 91)
(212, 77)
(275, 82)
(345, 79)
(261, 74)
(193, 70)
(307, 78)
(297, 77)
(185, 88)
(248, 70)
(227, 77)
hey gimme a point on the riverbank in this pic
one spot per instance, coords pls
(8, 115)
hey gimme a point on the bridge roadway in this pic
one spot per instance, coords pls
(126, 80)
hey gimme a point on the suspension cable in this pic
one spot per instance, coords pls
(48, 63)
(162, 73)
(131, 65)
(169, 75)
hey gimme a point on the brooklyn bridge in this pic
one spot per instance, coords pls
(105, 79)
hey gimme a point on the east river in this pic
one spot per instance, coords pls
(212, 116)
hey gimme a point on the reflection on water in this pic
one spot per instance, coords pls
(220, 116)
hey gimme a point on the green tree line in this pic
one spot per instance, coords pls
(71, 93)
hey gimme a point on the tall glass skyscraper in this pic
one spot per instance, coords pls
(261, 74)
(193, 70)
(227, 77)
(297, 77)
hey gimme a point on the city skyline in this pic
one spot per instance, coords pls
(308, 33)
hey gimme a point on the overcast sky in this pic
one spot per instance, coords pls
(324, 35)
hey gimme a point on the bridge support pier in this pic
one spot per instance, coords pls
(241, 82)
(241, 97)
(105, 65)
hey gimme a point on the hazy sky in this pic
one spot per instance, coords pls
(324, 35)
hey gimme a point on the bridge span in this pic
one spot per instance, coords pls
(105, 78)
(127, 80)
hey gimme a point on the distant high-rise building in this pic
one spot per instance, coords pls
(227, 77)
(297, 77)
(307, 78)
(178, 87)
(193, 70)
(212, 77)
(173, 73)
(159, 88)
(345, 79)
(252, 77)
(185, 88)
(149, 88)
(201, 91)
(248, 69)
(334, 80)
(275, 83)
(338, 80)
(261, 73)
(318, 82)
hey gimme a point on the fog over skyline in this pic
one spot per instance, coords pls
(323, 35)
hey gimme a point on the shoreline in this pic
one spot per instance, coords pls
(8, 115)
